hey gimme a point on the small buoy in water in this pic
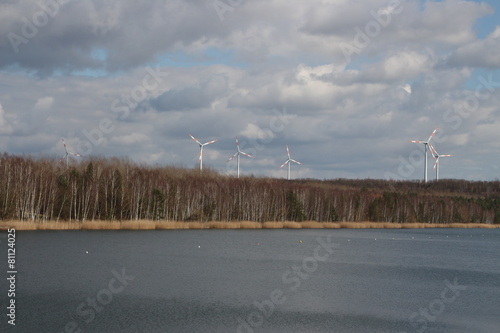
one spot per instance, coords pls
(199, 246)
(86, 251)
(257, 244)
(300, 241)
(348, 240)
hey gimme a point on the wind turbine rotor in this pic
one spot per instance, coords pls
(287, 161)
(233, 156)
(67, 153)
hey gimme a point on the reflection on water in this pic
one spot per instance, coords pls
(434, 280)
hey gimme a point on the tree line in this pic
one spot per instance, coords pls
(118, 189)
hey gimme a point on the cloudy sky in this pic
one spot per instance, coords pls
(344, 83)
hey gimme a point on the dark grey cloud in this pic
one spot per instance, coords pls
(65, 37)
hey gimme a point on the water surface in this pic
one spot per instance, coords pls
(226, 281)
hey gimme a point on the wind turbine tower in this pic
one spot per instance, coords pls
(201, 149)
(237, 155)
(66, 155)
(288, 162)
(425, 143)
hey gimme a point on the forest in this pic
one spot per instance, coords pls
(118, 189)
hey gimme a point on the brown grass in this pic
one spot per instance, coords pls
(175, 225)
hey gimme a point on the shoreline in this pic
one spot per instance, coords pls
(176, 225)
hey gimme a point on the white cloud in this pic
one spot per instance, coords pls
(44, 103)
(253, 131)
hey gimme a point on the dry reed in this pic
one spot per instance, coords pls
(174, 225)
(272, 225)
(171, 225)
(331, 225)
(250, 225)
(292, 225)
(311, 225)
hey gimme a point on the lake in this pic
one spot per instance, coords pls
(309, 280)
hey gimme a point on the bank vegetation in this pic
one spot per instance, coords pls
(120, 191)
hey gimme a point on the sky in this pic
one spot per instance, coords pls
(345, 84)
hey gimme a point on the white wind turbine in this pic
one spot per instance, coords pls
(288, 162)
(237, 155)
(201, 149)
(67, 153)
(426, 143)
(436, 157)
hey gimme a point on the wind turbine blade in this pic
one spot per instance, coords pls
(233, 156)
(284, 163)
(295, 161)
(238, 145)
(75, 154)
(436, 163)
(245, 154)
(192, 137)
(433, 151)
(415, 141)
(288, 151)
(445, 155)
(62, 158)
(207, 143)
(64, 144)
(433, 132)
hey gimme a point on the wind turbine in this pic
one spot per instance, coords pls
(436, 157)
(67, 153)
(237, 154)
(426, 143)
(288, 162)
(201, 149)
